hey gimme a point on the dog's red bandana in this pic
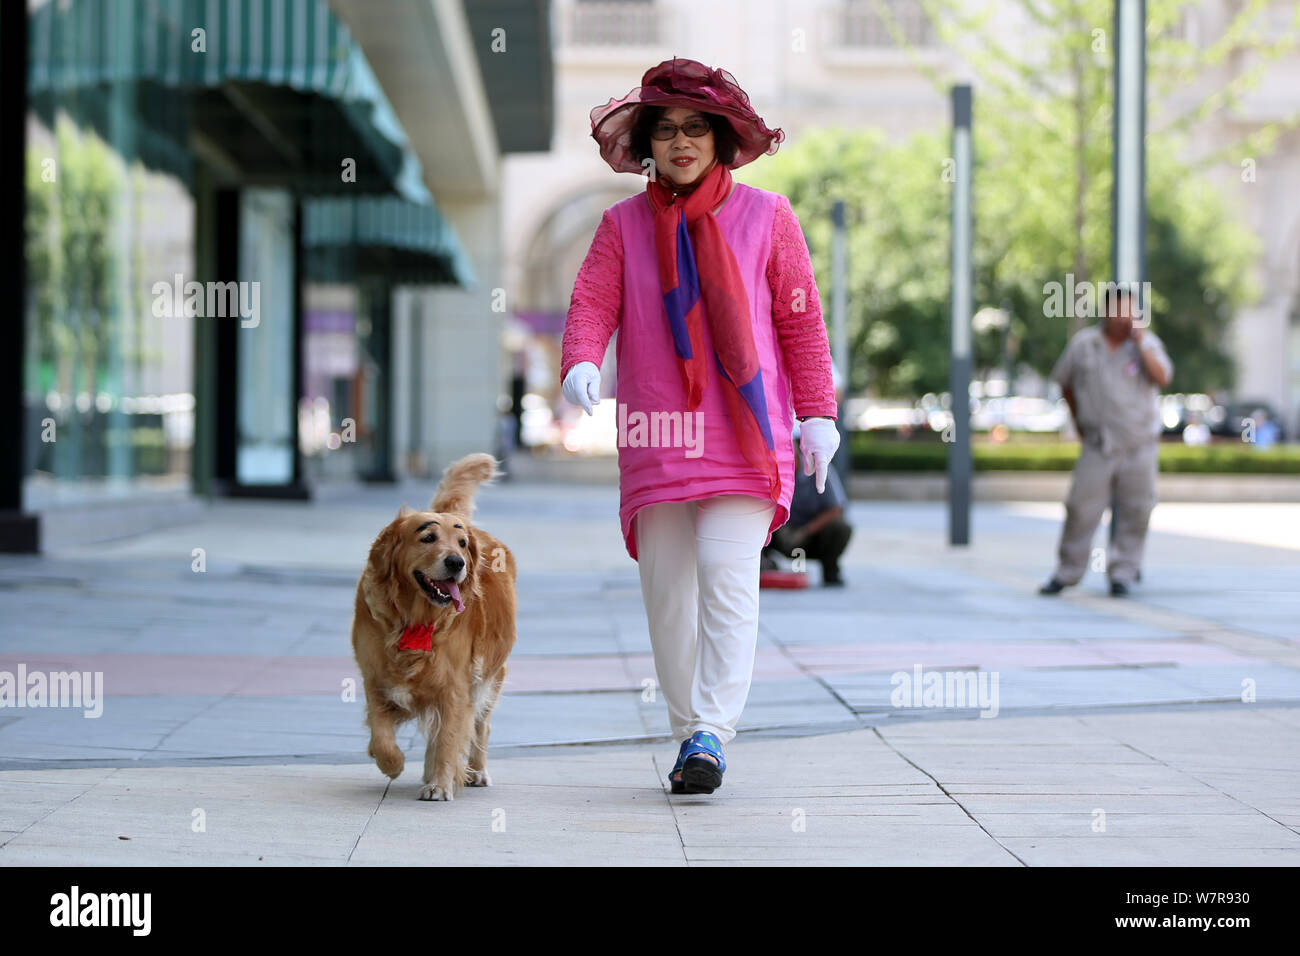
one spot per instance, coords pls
(417, 637)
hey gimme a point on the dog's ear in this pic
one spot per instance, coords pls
(396, 573)
(477, 569)
(382, 576)
(383, 558)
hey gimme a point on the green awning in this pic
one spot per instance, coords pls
(346, 236)
(278, 85)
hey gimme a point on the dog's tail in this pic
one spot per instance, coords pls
(460, 480)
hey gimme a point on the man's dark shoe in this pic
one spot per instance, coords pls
(1118, 589)
(832, 582)
(1052, 587)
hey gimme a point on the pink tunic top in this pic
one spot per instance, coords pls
(618, 287)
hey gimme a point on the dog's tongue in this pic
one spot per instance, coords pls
(450, 587)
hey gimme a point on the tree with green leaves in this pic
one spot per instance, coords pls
(1042, 197)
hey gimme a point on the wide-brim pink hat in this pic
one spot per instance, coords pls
(682, 82)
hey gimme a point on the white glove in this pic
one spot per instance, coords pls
(582, 386)
(818, 439)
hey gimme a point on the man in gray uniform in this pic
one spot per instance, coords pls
(1111, 376)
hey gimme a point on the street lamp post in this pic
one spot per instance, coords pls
(959, 369)
(839, 333)
(1128, 159)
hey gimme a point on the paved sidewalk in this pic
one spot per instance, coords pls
(1207, 788)
(224, 694)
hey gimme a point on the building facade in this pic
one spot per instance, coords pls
(259, 243)
(815, 63)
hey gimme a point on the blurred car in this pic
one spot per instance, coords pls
(537, 423)
(1019, 413)
(1177, 409)
(869, 416)
(1235, 416)
(594, 434)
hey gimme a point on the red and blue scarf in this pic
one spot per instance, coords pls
(701, 282)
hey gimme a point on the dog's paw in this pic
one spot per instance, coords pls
(390, 762)
(478, 778)
(432, 791)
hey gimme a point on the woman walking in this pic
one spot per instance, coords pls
(721, 345)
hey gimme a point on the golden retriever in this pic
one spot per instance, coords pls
(433, 625)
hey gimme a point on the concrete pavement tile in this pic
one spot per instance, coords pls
(1271, 682)
(22, 804)
(789, 714)
(900, 850)
(79, 777)
(832, 820)
(36, 636)
(567, 673)
(324, 640)
(74, 731)
(1201, 801)
(1198, 828)
(261, 638)
(1064, 730)
(44, 750)
(1021, 688)
(551, 718)
(559, 849)
(930, 754)
(1288, 716)
(963, 777)
(555, 824)
(1150, 851)
(573, 631)
(208, 736)
(789, 703)
(1236, 732)
(855, 625)
(133, 675)
(308, 812)
(1114, 786)
(130, 853)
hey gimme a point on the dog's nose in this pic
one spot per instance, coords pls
(454, 562)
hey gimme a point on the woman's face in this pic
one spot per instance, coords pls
(670, 154)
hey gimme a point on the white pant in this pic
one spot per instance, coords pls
(699, 563)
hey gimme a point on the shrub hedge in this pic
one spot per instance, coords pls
(928, 453)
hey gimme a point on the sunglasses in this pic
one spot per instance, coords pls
(694, 128)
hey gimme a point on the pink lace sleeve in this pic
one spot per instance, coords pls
(597, 302)
(797, 315)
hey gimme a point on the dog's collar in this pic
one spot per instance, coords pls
(417, 637)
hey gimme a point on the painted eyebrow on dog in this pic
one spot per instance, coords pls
(425, 525)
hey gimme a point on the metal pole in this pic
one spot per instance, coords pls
(959, 370)
(839, 333)
(1006, 346)
(1128, 159)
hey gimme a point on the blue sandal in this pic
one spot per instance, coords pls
(699, 775)
(677, 786)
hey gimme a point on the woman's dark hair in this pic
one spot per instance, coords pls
(724, 137)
